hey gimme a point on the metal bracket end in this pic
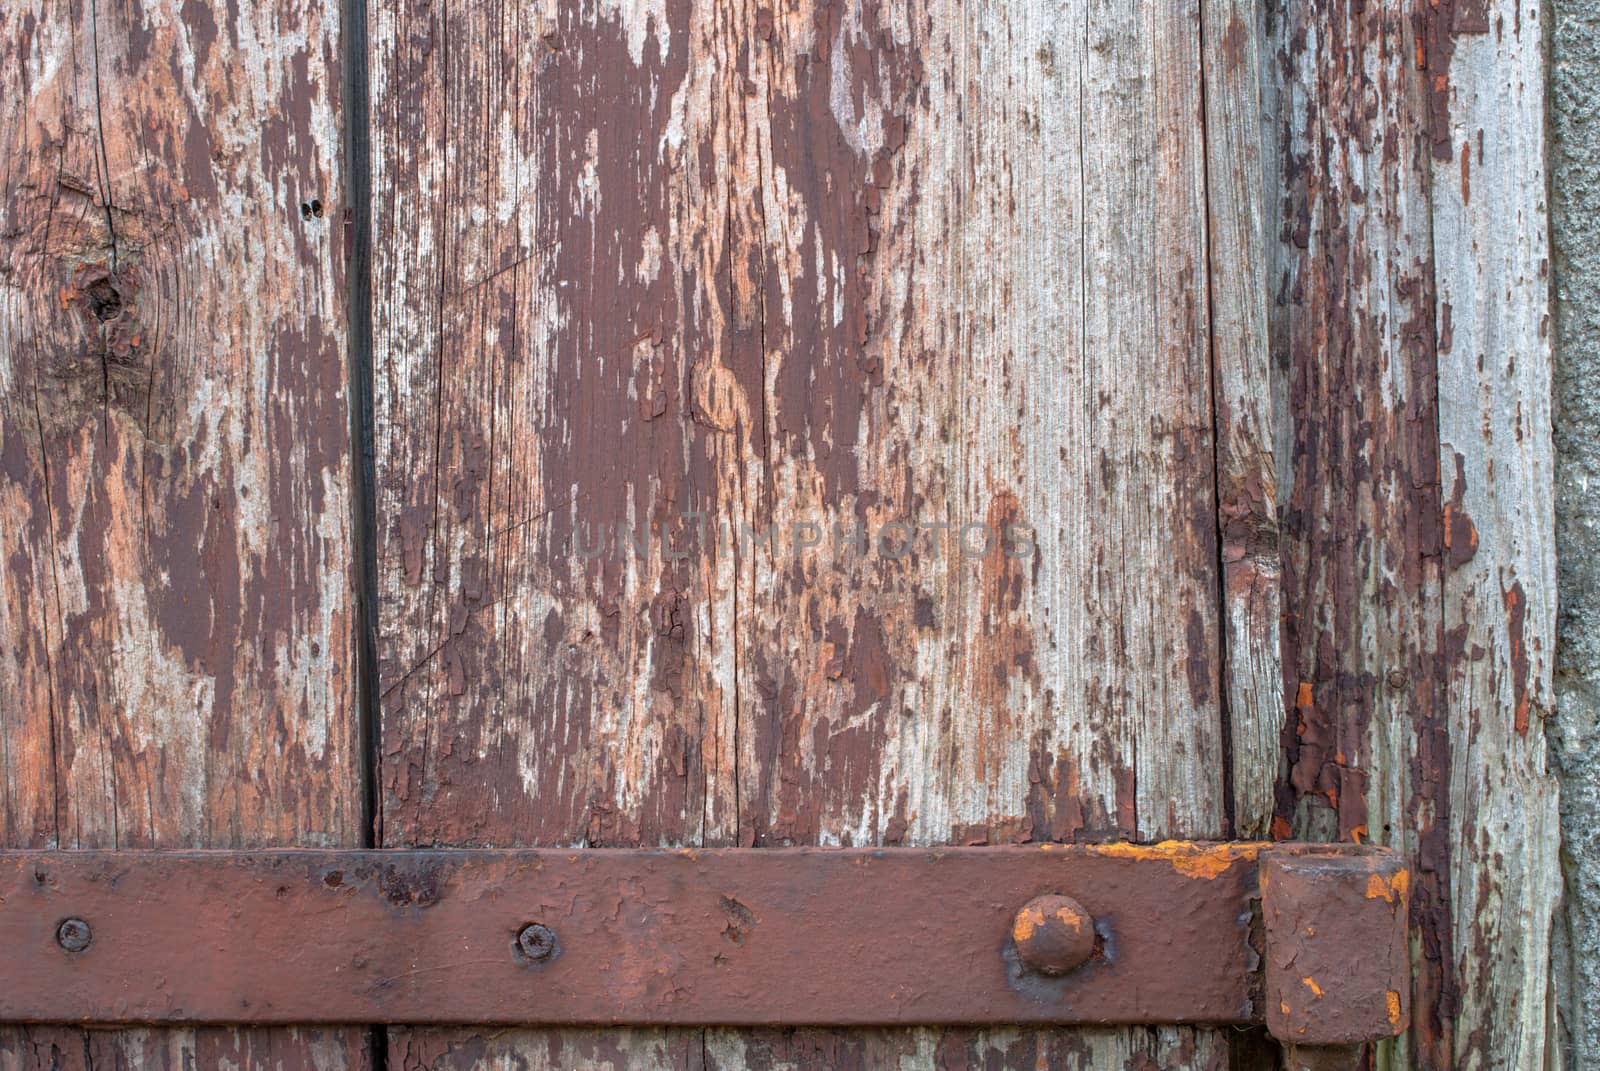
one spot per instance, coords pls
(1337, 971)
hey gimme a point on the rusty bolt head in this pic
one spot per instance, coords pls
(1053, 934)
(537, 942)
(74, 935)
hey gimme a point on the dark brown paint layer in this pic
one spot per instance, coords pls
(729, 936)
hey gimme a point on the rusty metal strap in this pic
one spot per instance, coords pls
(1309, 940)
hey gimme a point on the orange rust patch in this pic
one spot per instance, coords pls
(1464, 542)
(1312, 985)
(1516, 611)
(1392, 1000)
(1394, 889)
(1187, 858)
(1031, 918)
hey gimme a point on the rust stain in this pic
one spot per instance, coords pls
(1393, 889)
(1192, 860)
(1460, 534)
(1316, 913)
(1516, 607)
(1236, 40)
(1032, 917)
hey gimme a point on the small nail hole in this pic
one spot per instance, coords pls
(316, 209)
(305, 210)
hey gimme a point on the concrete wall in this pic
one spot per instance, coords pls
(1575, 736)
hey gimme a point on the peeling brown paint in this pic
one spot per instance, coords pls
(779, 266)
(1369, 533)
(1516, 606)
(1436, 24)
(1460, 534)
(175, 467)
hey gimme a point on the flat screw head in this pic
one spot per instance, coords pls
(1053, 934)
(536, 941)
(74, 935)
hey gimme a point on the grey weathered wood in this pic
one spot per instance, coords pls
(177, 633)
(1490, 228)
(1418, 614)
(52, 1048)
(1247, 475)
(836, 262)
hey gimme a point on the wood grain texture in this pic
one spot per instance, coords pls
(1365, 741)
(41, 1048)
(1243, 406)
(177, 602)
(619, 1049)
(1072, 692)
(960, 356)
(523, 302)
(831, 265)
(1418, 584)
(1490, 228)
(176, 627)
(1141, 1048)
(1144, 1049)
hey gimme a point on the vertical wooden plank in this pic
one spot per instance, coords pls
(167, 1049)
(177, 628)
(1418, 583)
(1366, 743)
(1490, 228)
(808, 271)
(1246, 427)
(1036, 694)
(1141, 1048)
(621, 1049)
(533, 385)
(553, 284)
(175, 426)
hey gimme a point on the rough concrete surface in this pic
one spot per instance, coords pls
(1575, 739)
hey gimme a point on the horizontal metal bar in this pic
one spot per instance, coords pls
(1170, 933)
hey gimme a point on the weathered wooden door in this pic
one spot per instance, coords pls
(742, 424)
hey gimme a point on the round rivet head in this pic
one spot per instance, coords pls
(1053, 934)
(536, 942)
(74, 935)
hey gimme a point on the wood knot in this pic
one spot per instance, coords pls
(105, 299)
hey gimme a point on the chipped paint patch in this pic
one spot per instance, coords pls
(1192, 860)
